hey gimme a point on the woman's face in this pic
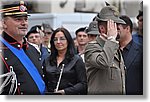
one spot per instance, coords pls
(60, 41)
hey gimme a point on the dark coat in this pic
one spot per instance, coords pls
(44, 53)
(134, 65)
(26, 84)
(138, 38)
(73, 79)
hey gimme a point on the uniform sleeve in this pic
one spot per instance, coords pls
(97, 55)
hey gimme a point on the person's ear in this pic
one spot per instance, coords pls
(102, 29)
(128, 28)
(4, 24)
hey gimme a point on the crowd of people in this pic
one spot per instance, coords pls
(105, 58)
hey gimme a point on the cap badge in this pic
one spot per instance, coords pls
(22, 8)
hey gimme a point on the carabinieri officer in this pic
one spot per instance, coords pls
(16, 55)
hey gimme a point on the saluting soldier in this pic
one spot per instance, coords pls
(103, 60)
(17, 55)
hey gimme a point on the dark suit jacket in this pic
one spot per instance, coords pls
(134, 65)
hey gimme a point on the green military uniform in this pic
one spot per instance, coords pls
(105, 67)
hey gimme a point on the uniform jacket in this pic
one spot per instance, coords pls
(26, 84)
(105, 68)
(134, 65)
(73, 79)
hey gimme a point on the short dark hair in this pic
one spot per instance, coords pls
(82, 29)
(128, 21)
(140, 14)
